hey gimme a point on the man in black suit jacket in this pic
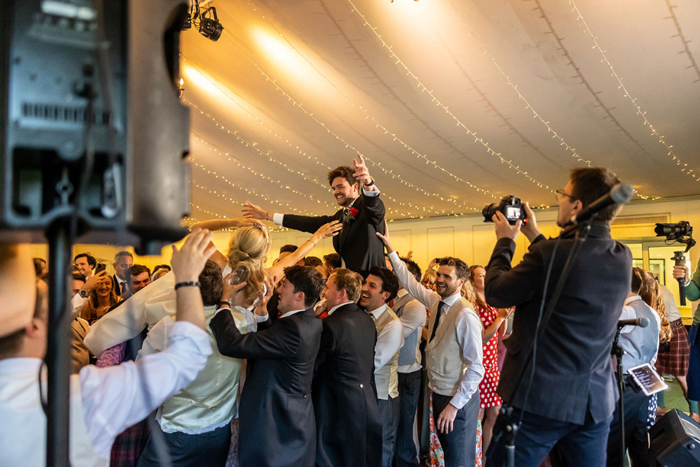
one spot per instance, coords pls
(572, 394)
(277, 424)
(362, 215)
(348, 428)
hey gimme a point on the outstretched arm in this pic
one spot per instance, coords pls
(330, 229)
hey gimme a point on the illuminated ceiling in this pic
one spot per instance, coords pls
(454, 103)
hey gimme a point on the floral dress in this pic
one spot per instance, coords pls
(488, 385)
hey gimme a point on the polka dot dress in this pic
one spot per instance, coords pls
(487, 387)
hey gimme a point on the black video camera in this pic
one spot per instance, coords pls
(681, 232)
(511, 207)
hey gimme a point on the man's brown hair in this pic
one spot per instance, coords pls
(344, 172)
(349, 281)
(589, 184)
(461, 268)
(211, 285)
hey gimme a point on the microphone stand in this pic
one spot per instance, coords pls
(506, 423)
(618, 351)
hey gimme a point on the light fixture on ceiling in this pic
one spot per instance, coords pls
(205, 20)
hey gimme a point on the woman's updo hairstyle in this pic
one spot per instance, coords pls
(249, 247)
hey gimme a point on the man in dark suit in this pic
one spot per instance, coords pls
(277, 424)
(571, 394)
(123, 261)
(362, 215)
(348, 429)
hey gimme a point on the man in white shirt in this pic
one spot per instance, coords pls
(454, 355)
(640, 345)
(413, 315)
(104, 401)
(380, 287)
(123, 260)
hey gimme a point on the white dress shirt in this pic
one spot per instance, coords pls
(386, 351)
(467, 326)
(412, 318)
(111, 398)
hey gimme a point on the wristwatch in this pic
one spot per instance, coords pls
(371, 183)
(84, 293)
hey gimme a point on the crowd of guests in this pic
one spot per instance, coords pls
(344, 360)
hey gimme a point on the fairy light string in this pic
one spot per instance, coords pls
(390, 172)
(438, 102)
(632, 100)
(378, 124)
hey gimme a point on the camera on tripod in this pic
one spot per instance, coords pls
(681, 232)
(511, 207)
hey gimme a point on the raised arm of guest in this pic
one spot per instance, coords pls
(427, 297)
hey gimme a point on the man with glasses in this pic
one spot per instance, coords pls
(568, 397)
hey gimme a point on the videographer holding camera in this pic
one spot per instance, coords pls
(692, 292)
(567, 394)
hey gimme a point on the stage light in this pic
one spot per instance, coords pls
(210, 28)
(206, 21)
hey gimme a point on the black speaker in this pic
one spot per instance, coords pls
(675, 440)
(69, 89)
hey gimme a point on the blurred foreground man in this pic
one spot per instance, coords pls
(104, 401)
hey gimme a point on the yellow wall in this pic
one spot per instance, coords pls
(467, 237)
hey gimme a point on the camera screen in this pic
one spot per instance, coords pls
(512, 212)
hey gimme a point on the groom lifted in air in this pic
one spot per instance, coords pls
(362, 215)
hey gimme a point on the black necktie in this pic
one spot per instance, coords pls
(441, 307)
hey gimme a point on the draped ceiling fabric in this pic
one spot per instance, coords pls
(455, 103)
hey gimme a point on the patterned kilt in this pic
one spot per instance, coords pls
(675, 361)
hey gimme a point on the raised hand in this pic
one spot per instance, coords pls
(188, 262)
(327, 230)
(386, 238)
(361, 171)
(92, 282)
(255, 212)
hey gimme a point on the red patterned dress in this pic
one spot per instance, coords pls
(488, 385)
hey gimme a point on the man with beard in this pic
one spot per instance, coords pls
(454, 354)
(362, 215)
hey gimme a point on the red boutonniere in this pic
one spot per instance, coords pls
(351, 214)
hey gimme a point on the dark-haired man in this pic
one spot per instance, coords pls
(139, 276)
(85, 264)
(571, 391)
(362, 215)
(381, 287)
(347, 433)
(277, 424)
(454, 354)
(286, 250)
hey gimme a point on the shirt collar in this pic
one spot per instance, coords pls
(290, 313)
(330, 312)
(452, 299)
(20, 365)
(631, 299)
(378, 312)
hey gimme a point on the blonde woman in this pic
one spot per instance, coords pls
(101, 299)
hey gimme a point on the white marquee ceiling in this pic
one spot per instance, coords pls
(454, 102)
